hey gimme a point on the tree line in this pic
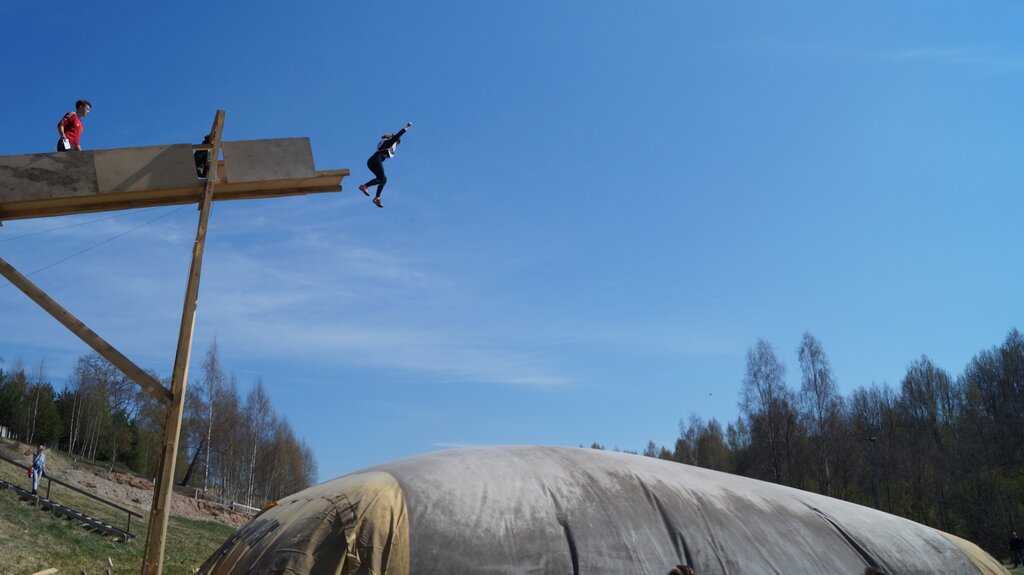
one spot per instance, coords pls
(943, 450)
(231, 448)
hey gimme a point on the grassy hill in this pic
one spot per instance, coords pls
(32, 539)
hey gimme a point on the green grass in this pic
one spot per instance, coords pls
(190, 542)
(32, 540)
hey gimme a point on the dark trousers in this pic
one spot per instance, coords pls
(376, 165)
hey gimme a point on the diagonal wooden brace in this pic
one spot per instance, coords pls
(107, 351)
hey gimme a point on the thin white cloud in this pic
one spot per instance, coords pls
(316, 297)
(775, 45)
(434, 355)
(983, 58)
(974, 57)
(144, 224)
(447, 445)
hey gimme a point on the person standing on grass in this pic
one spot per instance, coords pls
(1017, 549)
(38, 469)
(70, 127)
(385, 149)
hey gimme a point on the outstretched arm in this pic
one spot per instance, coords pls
(391, 141)
(399, 134)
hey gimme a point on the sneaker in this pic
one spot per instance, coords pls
(378, 203)
(363, 189)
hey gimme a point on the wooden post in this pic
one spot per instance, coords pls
(107, 351)
(156, 534)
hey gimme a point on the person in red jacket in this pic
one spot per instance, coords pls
(70, 127)
(385, 149)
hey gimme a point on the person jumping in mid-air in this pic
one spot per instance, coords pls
(70, 127)
(385, 149)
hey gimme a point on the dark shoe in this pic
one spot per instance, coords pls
(378, 203)
(363, 189)
(33, 492)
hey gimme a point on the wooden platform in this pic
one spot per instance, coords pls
(43, 185)
(40, 185)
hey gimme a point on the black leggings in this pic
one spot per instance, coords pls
(376, 165)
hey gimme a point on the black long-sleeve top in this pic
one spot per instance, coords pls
(386, 147)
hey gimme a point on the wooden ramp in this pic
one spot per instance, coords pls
(40, 185)
(68, 512)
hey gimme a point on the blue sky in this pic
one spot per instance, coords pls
(600, 207)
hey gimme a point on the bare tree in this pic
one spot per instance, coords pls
(213, 378)
(246, 454)
(258, 412)
(927, 410)
(36, 386)
(103, 391)
(651, 450)
(149, 425)
(765, 400)
(688, 444)
(228, 453)
(821, 404)
(310, 472)
(711, 445)
(193, 435)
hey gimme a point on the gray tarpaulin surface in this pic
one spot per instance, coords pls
(526, 509)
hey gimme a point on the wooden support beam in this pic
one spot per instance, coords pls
(107, 351)
(156, 535)
(324, 181)
(42, 185)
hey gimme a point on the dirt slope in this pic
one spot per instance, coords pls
(126, 490)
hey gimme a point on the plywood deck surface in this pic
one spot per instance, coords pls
(41, 185)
